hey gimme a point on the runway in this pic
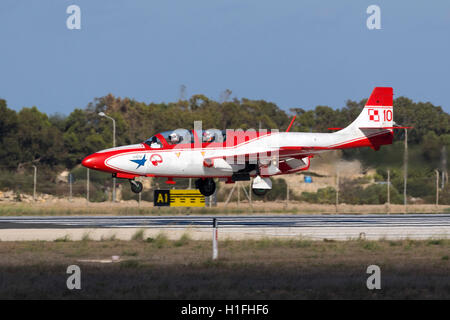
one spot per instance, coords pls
(314, 227)
(289, 221)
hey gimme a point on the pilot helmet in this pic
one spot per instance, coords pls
(208, 136)
(174, 137)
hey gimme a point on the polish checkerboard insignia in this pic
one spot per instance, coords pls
(373, 115)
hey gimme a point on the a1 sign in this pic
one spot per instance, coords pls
(161, 198)
(178, 198)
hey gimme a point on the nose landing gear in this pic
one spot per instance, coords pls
(206, 186)
(136, 186)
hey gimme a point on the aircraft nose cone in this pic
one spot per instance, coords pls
(93, 161)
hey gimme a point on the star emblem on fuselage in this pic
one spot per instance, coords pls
(140, 162)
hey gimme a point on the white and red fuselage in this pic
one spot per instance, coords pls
(231, 154)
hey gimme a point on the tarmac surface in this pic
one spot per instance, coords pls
(335, 221)
(314, 227)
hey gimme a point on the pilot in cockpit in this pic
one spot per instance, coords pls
(154, 143)
(174, 138)
(208, 136)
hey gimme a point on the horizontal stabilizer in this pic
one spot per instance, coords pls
(385, 128)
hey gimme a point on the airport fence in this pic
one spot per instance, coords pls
(42, 184)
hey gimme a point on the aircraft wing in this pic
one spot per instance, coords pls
(290, 159)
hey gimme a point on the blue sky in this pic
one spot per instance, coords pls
(294, 53)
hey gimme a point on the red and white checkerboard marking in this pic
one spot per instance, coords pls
(373, 115)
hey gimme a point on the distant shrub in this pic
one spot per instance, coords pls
(323, 196)
(138, 235)
(66, 238)
(435, 242)
(184, 240)
(161, 241)
(351, 192)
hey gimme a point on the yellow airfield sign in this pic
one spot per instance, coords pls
(186, 198)
(178, 198)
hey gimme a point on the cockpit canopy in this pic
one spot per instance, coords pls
(183, 136)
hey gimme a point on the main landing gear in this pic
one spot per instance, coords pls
(261, 185)
(136, 186)
(206, 186)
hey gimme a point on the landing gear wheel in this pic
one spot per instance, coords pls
(260, 192)
(206, 186)
(136, 186)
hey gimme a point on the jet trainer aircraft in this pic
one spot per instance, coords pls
(237, 155)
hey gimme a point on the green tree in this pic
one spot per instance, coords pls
(39, 141)
(9, 147)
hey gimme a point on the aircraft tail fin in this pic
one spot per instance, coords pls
(377, 113)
